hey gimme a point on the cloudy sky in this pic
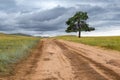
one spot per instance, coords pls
(47, 17)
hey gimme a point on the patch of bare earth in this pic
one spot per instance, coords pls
(63, 60)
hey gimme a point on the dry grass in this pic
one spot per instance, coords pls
(106, 42)
(13, 49)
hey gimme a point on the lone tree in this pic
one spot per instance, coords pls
(78, 23)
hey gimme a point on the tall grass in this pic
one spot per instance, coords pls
(106, 42)
(13, 49)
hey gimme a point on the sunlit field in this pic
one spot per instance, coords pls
(106, 42)
(13, 49)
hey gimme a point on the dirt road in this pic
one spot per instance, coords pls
(63, 60)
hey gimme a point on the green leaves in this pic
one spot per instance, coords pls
(81, 16)
(71, 28)
(78, 23)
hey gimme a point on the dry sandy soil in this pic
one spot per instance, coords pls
(63, 60)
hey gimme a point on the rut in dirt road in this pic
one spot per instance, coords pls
(81, 65)
(63, 60)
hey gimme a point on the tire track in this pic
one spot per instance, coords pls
(27, 67)
(52, 65)
(76, 57)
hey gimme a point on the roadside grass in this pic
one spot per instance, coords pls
(13, 49)
(112, 42)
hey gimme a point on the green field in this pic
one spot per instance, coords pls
(13, 49)
(106, 42)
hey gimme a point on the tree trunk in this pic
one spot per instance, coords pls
(79, 29)
(79, 34)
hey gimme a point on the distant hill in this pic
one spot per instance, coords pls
(15, 34)
(20, 34)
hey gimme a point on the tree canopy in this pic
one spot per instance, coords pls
(78, 23)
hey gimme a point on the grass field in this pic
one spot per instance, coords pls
(106, 42)
(13, 49)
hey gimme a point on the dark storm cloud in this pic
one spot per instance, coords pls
(5, 28)
(43, 20)
(41, 17)
(49, 14)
